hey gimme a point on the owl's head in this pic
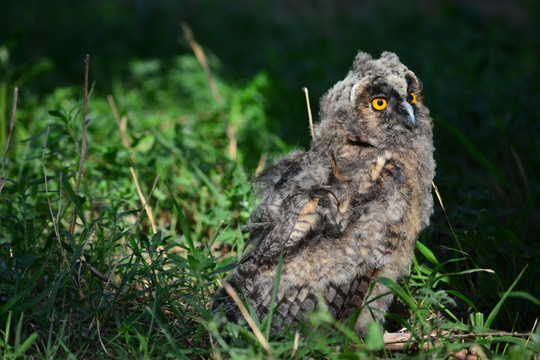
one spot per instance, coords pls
(378, 103)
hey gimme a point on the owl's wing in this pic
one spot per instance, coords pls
(292, 215)
(297, 218)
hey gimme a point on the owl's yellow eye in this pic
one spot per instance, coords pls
(379, 103)
(411, 98)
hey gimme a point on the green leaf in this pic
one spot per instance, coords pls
(223, 269)
(76, 200)
(477, 319)
(183, 221)
(398, 291)
(462, 297)
(27, 343)
(428, 254)
(374, 338)
(524, 295)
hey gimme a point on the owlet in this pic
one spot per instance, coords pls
(347, 211)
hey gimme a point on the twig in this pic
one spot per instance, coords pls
(249, 320)
(201, 58)
(83, 141)
(305, 90)
(11, 124)
(98, 274)
(401, 341)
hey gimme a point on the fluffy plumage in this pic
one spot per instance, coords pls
(347, 211)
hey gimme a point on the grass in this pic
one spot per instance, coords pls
(125, 281)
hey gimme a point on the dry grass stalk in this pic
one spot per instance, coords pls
(295, 343)
(532, 331)
(305, 90)
(469, 279)
(446, 215)
(262, 163)
(3, 176)
(99, 337)
(122, 126)
(201, 58)
(146, 207)
(249, 320)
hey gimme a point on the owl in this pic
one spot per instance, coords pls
(345, 212)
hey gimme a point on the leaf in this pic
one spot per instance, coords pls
(27, 343)
(223, 269)
(183, 221)
(398, 291)
(76, 199)
(59, 114)
(374, 338)
(462, 297)
(428, 254)
(524, 295)
(477, 319)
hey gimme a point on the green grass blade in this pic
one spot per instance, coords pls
(462, 297)
(183, 221)
(497, 307)
(428, 254)
(525, 295)
(167, 334)
(274, 295)
(76, 200)
(27, 343)
(398, 291)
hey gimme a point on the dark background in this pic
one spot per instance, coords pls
(479, 62)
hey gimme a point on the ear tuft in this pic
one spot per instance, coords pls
(360, 61)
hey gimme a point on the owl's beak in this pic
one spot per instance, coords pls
(406, 113)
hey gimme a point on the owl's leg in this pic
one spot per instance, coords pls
(373, 309)
(379, 299)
